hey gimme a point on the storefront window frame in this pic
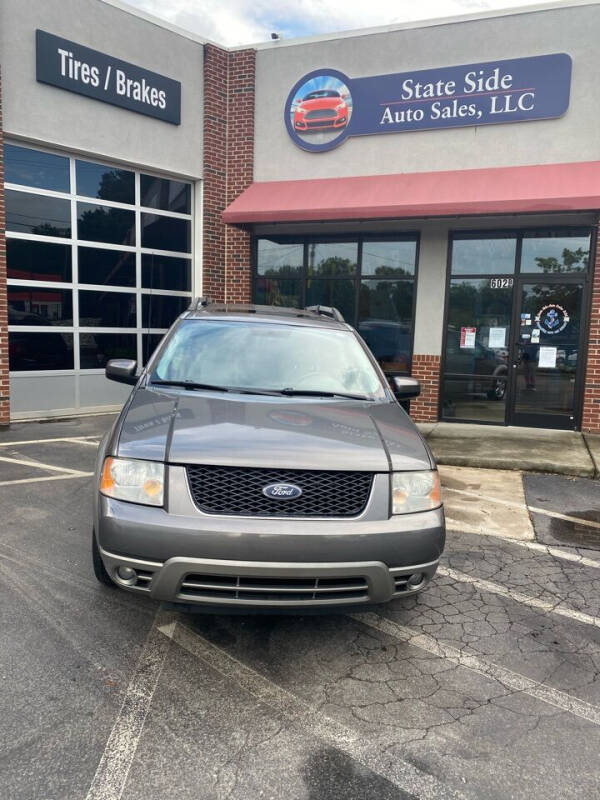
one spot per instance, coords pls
(75, 243)
(567, 277)
(307, 239)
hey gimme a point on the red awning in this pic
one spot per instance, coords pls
(498, 190)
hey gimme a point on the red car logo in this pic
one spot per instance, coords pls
(323, 109)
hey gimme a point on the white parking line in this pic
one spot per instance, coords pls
(47, 478)
(110, 778)
(74, 439)
(511, 594)
(512, 680)
(40, 465)
(556, 552)
(300, 711)
(512, 504)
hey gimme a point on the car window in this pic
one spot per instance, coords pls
(267, 356)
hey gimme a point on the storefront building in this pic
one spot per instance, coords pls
(439, 184)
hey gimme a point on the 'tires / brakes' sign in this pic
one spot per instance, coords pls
(71, 66)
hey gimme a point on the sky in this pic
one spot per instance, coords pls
(239, 22)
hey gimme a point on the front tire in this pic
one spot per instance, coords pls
(99, 568)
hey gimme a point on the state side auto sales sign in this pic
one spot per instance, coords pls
(71, 66)
(325, 107)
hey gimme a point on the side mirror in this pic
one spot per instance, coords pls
(405, 388)
(122, 370)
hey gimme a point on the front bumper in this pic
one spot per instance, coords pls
(183, 555)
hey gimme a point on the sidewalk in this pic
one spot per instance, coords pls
(531, 449)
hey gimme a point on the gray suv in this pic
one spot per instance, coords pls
(262, 461)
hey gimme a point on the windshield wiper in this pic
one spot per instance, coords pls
(318, 393)
(192, 385)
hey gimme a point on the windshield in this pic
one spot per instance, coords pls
(266, 356)
(321, 93)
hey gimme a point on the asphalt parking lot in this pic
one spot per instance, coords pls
(487, 685)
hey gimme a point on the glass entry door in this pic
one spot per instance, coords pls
(546, 354)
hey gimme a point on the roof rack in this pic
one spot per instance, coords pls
(326, 311)
(198, 303)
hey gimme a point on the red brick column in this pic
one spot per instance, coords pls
(4, 387)
(228, 169)
(591, 395)
(426, 369)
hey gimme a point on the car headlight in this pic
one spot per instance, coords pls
(340, 107)
(134, 481)
(415, 491)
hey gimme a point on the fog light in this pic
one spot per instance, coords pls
(416, 579)
(126, 574)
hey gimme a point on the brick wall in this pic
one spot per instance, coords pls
(228, 169)
(4, 388)
(426, 369)
(591, 396)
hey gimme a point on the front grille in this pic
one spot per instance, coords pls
(323, 113)
(216, 588)
(238, 491)
(324, 123)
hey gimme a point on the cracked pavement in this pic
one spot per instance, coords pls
(486, 685)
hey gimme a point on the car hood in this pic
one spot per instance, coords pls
(321, 102)
(256, 431)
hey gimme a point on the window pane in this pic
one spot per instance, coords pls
(332, 258)
(150, 342)
(385, 322)
(165, 272)
(160, 311)
(387, 259)
(95, 349)
(279, 259)
(478, 398)
(483, 255)
(96, 180)
(34, 213)
(474, 308)
(38, 261)
(32, 306)
(166, 233)
(166, 194)
(34, 168)
(49, 350)
(337, 293)
(269, 292)
(551, 254)
(103, 224)
(106, 267)
(106, 309)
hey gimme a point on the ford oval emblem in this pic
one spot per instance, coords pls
(282, 491)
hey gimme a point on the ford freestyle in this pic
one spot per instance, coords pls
(262, 461)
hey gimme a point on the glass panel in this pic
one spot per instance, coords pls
(150, 342)
(332, 258)
(389, 258)
(106, 309)
(32, 306)
(106, 267)
(103, 224)
(553, 254)
(49, 350)
(477, 398)
(166, 233)
(385, 321)
(160, 311)
(108, 183)
(35, 213)
(547, 349)
(165, 272)
(476, 254)
(165, 194)
(338, 293)
(95, 349)
(38, 261)
(271, 292)
(34, 168)
(279, 259)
